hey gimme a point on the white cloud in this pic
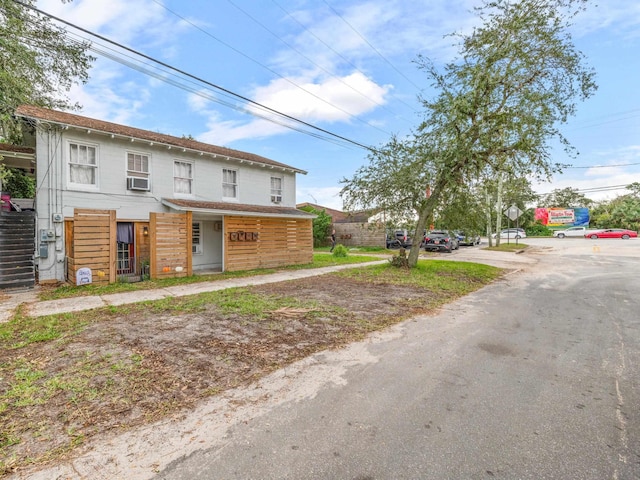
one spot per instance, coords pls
(329, 101)
(121, 20)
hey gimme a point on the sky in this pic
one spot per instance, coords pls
(347, 68)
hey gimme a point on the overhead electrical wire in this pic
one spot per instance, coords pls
(288, 80)
(255, 20)
(197, 89)
(346, 60)
(198, 79)
(370, 45)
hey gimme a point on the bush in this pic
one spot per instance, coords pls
(538, 230)
(340, 251)
(321, 226)
(400, 260)
(18, 184)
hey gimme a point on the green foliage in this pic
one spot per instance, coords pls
(400, 260)
(620, 212)
(538, 230)
(321, 225)
(565, 198)
(39, 63)
(18, 183)
(498, 107)
(340, 251)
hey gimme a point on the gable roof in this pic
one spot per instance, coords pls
(78, 121)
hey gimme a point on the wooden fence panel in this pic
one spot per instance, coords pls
(170, 245)
(94, 245)
(259, 242)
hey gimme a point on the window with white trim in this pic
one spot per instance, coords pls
(196, 238)
(182, 177)
(137, 171)
(137, 165)
(229, 183)
(276, 189)
(83, 165)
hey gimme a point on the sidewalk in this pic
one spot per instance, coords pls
(37, 308)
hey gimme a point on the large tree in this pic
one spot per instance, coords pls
(39, 63)
(565, 197)
(498, 107)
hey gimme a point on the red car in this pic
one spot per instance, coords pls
(612, 233)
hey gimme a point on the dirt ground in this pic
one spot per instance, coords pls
(127, 369)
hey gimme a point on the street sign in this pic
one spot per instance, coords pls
(513, 212)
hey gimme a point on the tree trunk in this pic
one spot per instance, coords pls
(489, 229)
(499, 210)
(424, 212)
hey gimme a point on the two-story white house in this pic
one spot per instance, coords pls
(118, 200)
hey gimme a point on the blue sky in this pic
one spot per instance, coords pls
(344, 66)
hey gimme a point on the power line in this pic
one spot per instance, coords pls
(288, 80)
(186, 74)
(608, 166)
(346, 60)
(255, 20)
(370, 45)
(165, 77)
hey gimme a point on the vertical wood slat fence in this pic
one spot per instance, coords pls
(279, 242)
(94, 245)
(170, 245)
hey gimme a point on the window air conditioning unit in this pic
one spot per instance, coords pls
(276, 198)
(137, 183)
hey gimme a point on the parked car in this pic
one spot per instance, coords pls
(612, 233)
(399, 239)
(573, 232)
(437, 240)
(512, 233)
(467, 238)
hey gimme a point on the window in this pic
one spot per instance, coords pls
(137, 171)
(137, 165)
(276, 189)
(83, 165)
(196, 238)
(229, 183)
(183, 177)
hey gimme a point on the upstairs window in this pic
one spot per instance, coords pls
(183, 177)
(83, 165)
(137, 165)
(229, 183)
(137, 171)
(276, 189)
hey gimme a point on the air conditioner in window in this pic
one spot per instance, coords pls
(137, 183)
(276, 198)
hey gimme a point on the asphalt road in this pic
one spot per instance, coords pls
(534, 377)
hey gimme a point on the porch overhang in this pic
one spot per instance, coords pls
(235, 209)
(18, 157)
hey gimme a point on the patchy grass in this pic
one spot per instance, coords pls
(67, 379)
(67, 291)
(507, 247)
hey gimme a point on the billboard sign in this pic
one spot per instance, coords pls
(563, 217)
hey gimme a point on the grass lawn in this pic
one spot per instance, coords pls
(66, 291)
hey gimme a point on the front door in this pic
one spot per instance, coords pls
(126, 260)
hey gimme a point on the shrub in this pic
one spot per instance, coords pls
(538, 230)
(400, 260)
(340, 251)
